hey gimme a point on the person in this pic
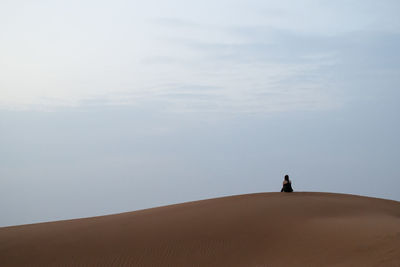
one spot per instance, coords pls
(287, 185)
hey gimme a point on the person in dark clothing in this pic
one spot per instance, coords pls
(287, 185)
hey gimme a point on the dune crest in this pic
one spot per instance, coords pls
(264, 229)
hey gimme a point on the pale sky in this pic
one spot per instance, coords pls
(112, 106)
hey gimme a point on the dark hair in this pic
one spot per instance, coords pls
(287, 177)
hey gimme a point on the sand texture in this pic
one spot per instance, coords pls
(265, 229)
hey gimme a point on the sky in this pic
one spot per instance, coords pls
(114, 106)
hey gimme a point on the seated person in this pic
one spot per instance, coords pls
(287, 185)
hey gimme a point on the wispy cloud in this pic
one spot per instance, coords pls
(243, 65)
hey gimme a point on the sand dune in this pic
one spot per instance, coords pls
(266, 229)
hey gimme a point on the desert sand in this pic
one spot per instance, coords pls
(264, 229)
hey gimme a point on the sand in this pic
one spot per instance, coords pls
(265, 229)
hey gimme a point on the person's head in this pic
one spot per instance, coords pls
(287, 177)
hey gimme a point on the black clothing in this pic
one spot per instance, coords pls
(287, 187)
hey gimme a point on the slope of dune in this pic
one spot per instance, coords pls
(265, 229)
